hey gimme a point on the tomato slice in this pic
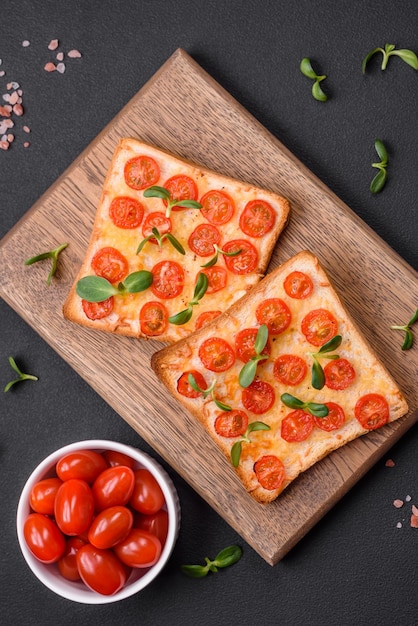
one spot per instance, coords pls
(157, 220)
(243, 263)
(289, 369)
(217, 207)
(126, 212)
(217, 278)
(181, 187)
(98, 310)
(184, 387)
(42, 495)
(216, 354)
(372, 411)
(270, 472)
(319, 326)
(231, 423)
(298, 285)
(205, 318)
(203, 239)
(141, 172)
(259, 397)
(334, 420)
(339, 374)
(275, 313)
(297, 426)
(257, 218)
(168, 279)
(111, 264)
(153, 319)
(244, 344)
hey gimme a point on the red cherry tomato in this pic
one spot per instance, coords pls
(205, 318)
(113, 487)
(140, 549)
(153, 319)
(42, 495)
(110, 526)
(113, 457)
(74, 507)
(259, 397)
(298, 285)
(275, 313)
(181, 187)
(372, 411)
(147, 496)
(297, 426)
(43, 538)
(319, 326)
(231, 423)
(67, 564)
(243, 263)
(98, 310)
(216, 354)
(126, 212)
(83, 464)
(101, 570)
(184, 387)
(111, 264)
(141, 172)
(203, 239)
(289, 369)
(270, 472)
(217, 278)
(217, 207)
(257, 218)
(168, 279)
(158, 220)
(339, 374)
(157, 524)
(334, 420)
(244, 344)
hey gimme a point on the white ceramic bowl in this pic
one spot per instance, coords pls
(78, 591)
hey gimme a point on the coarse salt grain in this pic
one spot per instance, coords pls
(390, 463)
(53, 44)
(18, 109)
(74, 54)
(25, 43)
(61, 68)
(4, 145)
(60, 56)
(4, 111)
(14, 97)
(2, 73)
(26, 129)
(398, 503)
(49, 67)
(414, 521)
(26, 144)
(414, 510)
(10, 137)
(408, 498)
(6, 97)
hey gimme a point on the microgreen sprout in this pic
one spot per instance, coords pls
(379, 180)
(98, 289)
(219, 251)
(390, 50)
(21, 375)
(247, 373)
(51, 254)
(308, 71)
(237, 447)
(184, 316)
(160, 239)
(318, 376)
(318, 410)
(210, 391)
(409, 338)
(161, 192)
(225, 558)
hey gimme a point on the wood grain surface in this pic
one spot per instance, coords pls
(376, 285)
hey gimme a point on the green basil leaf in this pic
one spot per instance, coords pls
(291, 402)
(95, 289)
(254, 426)
(175, 243)
(233, 253)
(193, 384)
(181, 318)
(138, 281)
(201, 286)
(194, 571)
(381, 151)
(188, 204)
(247, 374)
(212, 262)
(221, 405)
(306, 68)
(157, 192)
(318, 376)
(142, 244)
(228, 556)
(236, 453)
(318, 93)
(408, 56)
(261, 338)
(414, 318)
(331, 345)
(38, 257)
(318, 410)
(378, 181)
(368, 57)
(408, 341)
(14, 365)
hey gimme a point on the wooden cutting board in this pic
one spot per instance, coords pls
(378, 287)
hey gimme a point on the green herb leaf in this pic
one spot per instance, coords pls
(237, 446)
(209, 391)
(95, 289)
(331, 345)
(306, 68)
(261, 339)
(378, 181)
(142, 243)
(319, 410)
(368, 57)
(314, 408)
(182, 317)
(195, 571)
(21, 375)
(247, 373)
(308, 71)
(138, 281)
(157, 192)
(201, 286)
(188, 204)
(381, 151)
(318, 376)
(228, 556)
(408, 56)
(254, 426)
(413, 319)
(51, 254)
(222, 405)
(236, 453)
(174, 242)
(291, 402)
(200, 289)
(318, 92)
(225, 558)
(409, 338)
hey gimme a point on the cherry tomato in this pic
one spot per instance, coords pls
(114, 457)
(43, 538)
(270, 472)
(140, 549)
(217, 278)
(231, 423)
(157, 524)
(181, 187)
(42, 495)
(217, 207)
(153, 319)
(205, 318)
(126, 212)
(98, 310)
(83, 464)
(110, 526)
(275, 313)
(113, 487)
(157, 220)
(216, 354)
(67, 564)
(243, 263)
(297, 426)
(372, 411)
(111, 264)
(258, 397)
(141, 172)
(203, 239)
(319, 326)
(168, 279)
(298, 285)
(101, 570)
(257, 218)
(334, 420)
(184, 387)
(339, 374)
(289, 369)
(74, 507)
(147, 496)
(244, 344)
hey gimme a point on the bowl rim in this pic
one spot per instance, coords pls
(78, 591)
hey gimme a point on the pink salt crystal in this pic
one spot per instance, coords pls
(49, 67)
(8, 123)
(414, 510)
(10, 137)
(26, 129)
(6, 97)
(26, 144)
(2, 73)
(398, 503)
(18, 109)
(4, 111)
(390, 463)
(14, 97)
(4, 145)
(399, 525)
(53, 44)
(25, 43)
(61, 68)
(414, 521)
(60, 56)
(74, 54)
